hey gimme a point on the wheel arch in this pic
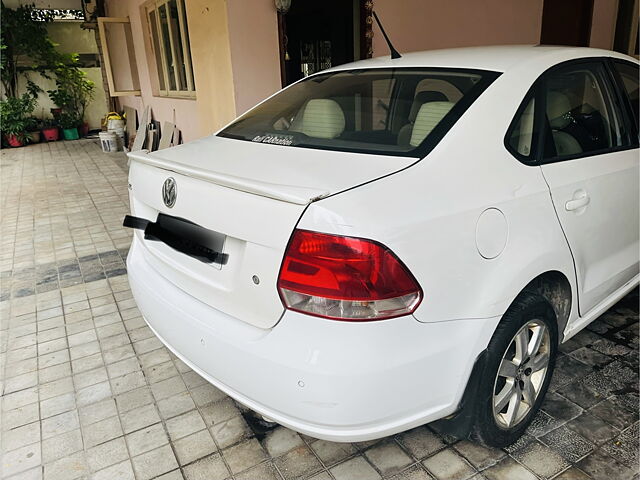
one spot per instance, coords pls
(556, 288)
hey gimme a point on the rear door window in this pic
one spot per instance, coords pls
(629, 74)
(580, 113)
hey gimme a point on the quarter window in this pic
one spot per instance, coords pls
(169, 34)
(580, 114)
(520, 139)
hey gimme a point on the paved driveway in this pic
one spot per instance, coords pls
(89, 392)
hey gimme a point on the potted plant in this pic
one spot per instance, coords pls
(14, 115)
(34, 125)
(73, 90)
(50, 130)
(69, 125)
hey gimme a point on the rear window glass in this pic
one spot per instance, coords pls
(383, 111)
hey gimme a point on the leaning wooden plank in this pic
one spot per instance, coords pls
(175, 139)
(141, 134)
(131, 115)
(166, 135)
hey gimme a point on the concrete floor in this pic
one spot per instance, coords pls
(89, 392)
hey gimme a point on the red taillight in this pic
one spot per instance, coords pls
(345, 278)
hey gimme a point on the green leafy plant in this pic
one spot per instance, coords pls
(15, 114)
(73, 90)
(33, 124)
(25, 46)
(49, 122)
(68, 120)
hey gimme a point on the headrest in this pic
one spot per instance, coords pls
(558, 106)
(428, 117)
(322, 118)
(422, 98)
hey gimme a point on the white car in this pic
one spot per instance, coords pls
(395, 241)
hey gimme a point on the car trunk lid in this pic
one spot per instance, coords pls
(253, 195)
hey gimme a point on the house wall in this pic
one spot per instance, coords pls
(182, 112)
(603, 27)
(430, 24)
(255, 53)
(95, 111)
(235, 52)
(212, 69)
(69, 37)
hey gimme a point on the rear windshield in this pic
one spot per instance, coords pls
(384, 111)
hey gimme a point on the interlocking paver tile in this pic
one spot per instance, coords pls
(210, 468)
(120, 471)
(21, 459)
(388, 457)
(138, 418)
(185, 424)
(106, 454)
(332, 452)
(55, 405)
(508, 469)
(93, 393)
(280, 441)
(420, 442)
(20, 416)
(146, 439)
(244, 455)
(541, 460)
(194, 447)
(230, 432)
(154, 463)
(61, 446)
(355, 469)
(449, 465)
(21, 436)
(601, 466)
(101, 431)
(88, 385)
(175, 405)
(298, 463)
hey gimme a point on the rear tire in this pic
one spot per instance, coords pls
(520, 362)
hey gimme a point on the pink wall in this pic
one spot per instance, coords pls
(603, 27)
(253, 36)
(182, 112)
(430, 24)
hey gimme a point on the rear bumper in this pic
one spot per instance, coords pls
(337, 381)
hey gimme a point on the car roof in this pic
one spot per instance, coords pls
(498, 58)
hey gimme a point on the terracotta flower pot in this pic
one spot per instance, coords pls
(35, 136)
(13, 140)
(51, 134)
(83, 129)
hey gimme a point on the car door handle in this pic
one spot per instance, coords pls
(580, 199)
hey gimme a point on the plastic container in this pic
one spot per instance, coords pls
(70, 133)
(109, 142)
(14, 140)
(51, 134)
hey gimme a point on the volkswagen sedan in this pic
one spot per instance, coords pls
(396, 241)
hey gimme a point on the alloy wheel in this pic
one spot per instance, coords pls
(521, 374)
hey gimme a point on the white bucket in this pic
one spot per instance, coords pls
(109, 142)
(115, 124)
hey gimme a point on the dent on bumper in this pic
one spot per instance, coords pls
(339, 381)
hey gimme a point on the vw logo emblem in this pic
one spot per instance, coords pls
(169, 192)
